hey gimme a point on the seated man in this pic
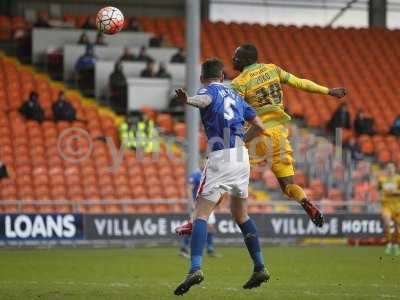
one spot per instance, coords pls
(179, 57)
(3, 170)
(143, 56)
(89, 23)
(354, 149)
(363, 124)
(100, 40)
(42, 22)
(127, 55)
(163, 72)
(31, 108)
(340, 118)
(84, 68)
(134, 25)
(84, 39)
(118, 89)
(148, 72)
(157, 41)
(395, 129)
(62, 109)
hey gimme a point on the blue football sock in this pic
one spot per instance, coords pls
(210, 242)
(197, 243)
(250, 235)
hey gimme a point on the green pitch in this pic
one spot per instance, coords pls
(152, 273)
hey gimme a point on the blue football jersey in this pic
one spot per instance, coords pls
(194, 179)
(227, 112)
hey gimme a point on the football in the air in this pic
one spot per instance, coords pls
(109, 20)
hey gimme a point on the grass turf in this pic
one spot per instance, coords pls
(153, 273)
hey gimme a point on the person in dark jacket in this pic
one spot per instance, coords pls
(118, 89)
(157, 41)
(89, 23)
(84, 39)
(84, 68)
(163, 72)
(363, 124)
(134, 25)
(42, 22)
(354, 149)
(31, 108)
(143, 56)
(340, 118)
(395, 128)
(179, 57)
(148, 72)
(127, 55)
(3, 171)
(62, 109)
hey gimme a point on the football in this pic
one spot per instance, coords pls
(109, 20)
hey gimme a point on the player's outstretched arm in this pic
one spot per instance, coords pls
(309, 86)
(199, 101)
(256, 128)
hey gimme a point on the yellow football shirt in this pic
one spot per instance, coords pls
(261, 86)
(390, 188)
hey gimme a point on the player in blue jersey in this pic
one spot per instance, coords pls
(223, 114)
(194, 183)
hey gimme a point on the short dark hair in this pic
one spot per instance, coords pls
(212, 68)
(249, 52)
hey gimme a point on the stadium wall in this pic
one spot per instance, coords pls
(31, 229)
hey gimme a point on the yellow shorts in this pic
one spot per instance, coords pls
(273, 147)
(391, 209)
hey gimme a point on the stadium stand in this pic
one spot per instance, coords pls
(25, 145)
(290, 47)
(32, 151)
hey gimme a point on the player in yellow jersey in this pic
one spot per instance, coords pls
(389, 186)
(260, 85)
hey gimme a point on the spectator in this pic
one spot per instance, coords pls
(89, 23)
(83, 39)
(84, 68)
(362, 124)
(62, 109)
(100, 39)
(31, 108)
(143, 56)
(354, 149)
(42, 21)
(395, 129)
(157, 41)
(127, 55)
(134, 25)
(179, 57)
(340, 118)
(148, 72)
(23, 40)
(162, 72)
(3, 170)
(118, 89)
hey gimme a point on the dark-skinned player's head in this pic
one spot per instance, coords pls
(244, 56)
(212, 70)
